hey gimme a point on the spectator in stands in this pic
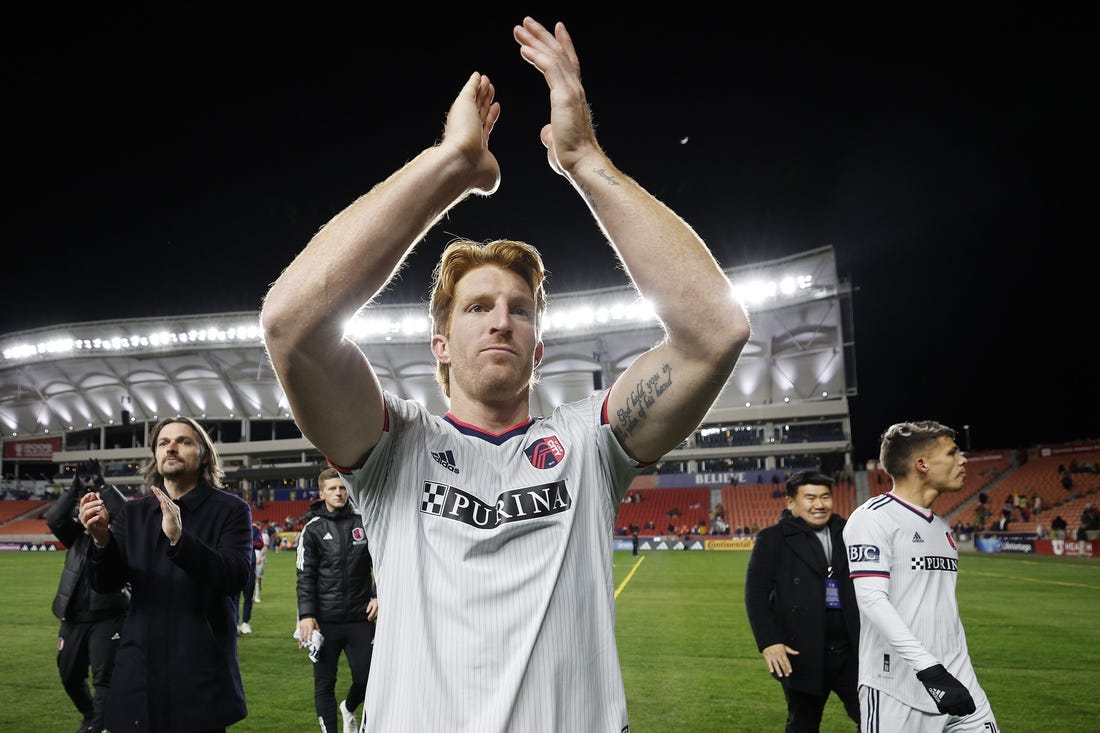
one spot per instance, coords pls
(186, 550)
(90, 621)
(1058, 527)
(1086, 518)
(472, 581)
(336, 597)
(801, 603)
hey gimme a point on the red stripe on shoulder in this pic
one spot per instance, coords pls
(385, 428)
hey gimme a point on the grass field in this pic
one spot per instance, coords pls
(689, 661)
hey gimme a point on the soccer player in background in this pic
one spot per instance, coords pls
(915, 672)
(491, 529)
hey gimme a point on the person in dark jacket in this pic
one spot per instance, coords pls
(802, 606)
(186, 551)
(336, 597)
(90, 621)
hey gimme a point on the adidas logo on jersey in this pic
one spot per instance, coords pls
(446, 459)
(116, 637)
(917, 537)
(328, 536)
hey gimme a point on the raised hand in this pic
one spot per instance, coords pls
(570, 135)
(470, 120)
(95, 517)
(171, 523)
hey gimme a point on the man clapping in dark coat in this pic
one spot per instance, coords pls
(186, 550)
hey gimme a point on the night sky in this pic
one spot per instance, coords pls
(172, 165)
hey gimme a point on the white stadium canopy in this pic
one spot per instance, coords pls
(92, 379)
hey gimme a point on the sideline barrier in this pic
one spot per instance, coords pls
(1028, 544)
(693, 542)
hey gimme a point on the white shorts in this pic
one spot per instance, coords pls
(880, 713)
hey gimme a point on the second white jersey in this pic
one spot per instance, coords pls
(913, 549)
(493, 559)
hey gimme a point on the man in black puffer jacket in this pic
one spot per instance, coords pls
(90, 621)
(336, 597)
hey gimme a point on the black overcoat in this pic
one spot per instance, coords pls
(785, 595)
(176, 670)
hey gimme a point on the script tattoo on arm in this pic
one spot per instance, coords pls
(639, 400)
(587, 193)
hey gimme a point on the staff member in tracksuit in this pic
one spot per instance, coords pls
(336, 596)
(90, 621)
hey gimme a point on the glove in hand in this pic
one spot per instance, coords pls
(950, 696)
(95, 474)
(79, 487)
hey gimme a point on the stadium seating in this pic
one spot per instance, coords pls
(1040, 475)
(693, 504)
(11, 509)
(277, 511)
(26, 527)
(757, 504)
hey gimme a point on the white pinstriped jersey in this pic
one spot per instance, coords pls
(493, 562)
(909, 552)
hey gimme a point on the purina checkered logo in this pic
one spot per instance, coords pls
(545, 452)
(934, 562)
(432, 500)
(516, 505)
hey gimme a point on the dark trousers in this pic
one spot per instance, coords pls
(249, 591)
(842, 677)
(354, 641)
(81, 646)
(243, 617)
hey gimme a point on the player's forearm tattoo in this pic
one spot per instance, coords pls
(602, 173)
(638, 402)
(587, 193)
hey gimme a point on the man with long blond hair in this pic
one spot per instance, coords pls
(186, 550)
